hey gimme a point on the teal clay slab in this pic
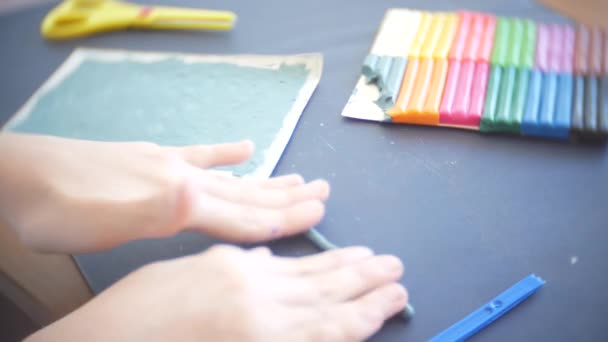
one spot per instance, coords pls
(176, 100)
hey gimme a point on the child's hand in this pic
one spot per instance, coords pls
(228, 294)
(78, 196)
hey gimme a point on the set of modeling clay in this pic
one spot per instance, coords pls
(482, 72)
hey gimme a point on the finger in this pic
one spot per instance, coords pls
(365, 316)
(356, 279)
(344, 283)
(272, 183)
(206, 156)
(321, 262)
(243, 223)
(351, 321)
(245, 193)
(283, 181)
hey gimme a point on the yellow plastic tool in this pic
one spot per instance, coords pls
(78, 18)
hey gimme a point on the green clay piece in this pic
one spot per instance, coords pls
(501, 42)
(528, 51)
(491, 104)
(504, 121)
(369, 67)
(516, 43)
(511, 105)
(408, 312)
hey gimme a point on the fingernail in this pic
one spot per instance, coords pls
(324, 188)
(400, 292)
(297, 178)
(249, 144)
(394, 265)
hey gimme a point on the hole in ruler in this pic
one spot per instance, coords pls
(493, 306)
(496, 304)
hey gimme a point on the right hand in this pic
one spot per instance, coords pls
(230, 294)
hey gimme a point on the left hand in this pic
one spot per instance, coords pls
(75, 196)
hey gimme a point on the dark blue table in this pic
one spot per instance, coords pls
(468, 214)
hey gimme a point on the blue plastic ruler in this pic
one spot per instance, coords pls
(491, 311)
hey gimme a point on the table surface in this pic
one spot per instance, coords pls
(469, 214)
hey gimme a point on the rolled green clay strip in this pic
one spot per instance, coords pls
(319, 240)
